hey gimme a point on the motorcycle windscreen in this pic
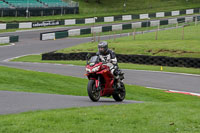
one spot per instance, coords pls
(93, 60)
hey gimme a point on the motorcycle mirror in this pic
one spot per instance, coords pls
(88, 57)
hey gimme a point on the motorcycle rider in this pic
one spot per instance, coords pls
(108, 56)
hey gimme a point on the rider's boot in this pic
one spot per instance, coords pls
(118, 82)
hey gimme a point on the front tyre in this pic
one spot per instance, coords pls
(93, 94)
(119, 95)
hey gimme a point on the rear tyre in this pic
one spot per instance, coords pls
(93, 94)
(119, 94)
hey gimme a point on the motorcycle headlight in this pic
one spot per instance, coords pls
(87, 70)
(95, 69)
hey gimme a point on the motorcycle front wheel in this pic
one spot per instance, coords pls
(93, 94)
(119, 95)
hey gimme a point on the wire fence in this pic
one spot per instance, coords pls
(177, 31)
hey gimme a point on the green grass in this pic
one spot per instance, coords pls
(12, 79)
(133, 6)
(113, 7)
(38, 58)
(169, 43)
(135, 118)
(161, 112)
(4, 44)
(20, 80)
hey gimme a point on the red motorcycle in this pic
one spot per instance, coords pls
(102, 82)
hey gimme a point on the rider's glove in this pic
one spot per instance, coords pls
(110, 65)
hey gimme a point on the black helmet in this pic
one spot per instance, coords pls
(104, 47)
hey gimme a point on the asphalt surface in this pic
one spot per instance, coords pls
(17, 102)
(30, 44)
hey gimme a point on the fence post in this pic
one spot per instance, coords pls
(99, 37)
(1, 13)
(183, 33)
(53, 13)
(134, 34)
(41, 13)
(109, 35)
(195, 21)
(156, 35)
(94, 36)
(16, 13)
(114, 35)
(157, 32)
(177, 25)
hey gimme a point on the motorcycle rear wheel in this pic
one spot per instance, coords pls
(93, 94)
(119, 95)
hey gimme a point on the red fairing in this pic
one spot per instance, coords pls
(103, 71)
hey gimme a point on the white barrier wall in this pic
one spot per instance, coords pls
(70, 22)
(127, 17)
(160, 14)
(89, 20)
(48, 36)
(189, 19)
(96, 29)
(144, 16)
(108, 19)
(175, 13)
(2, 26)
(75, 32)
(190, 11)
(173, 21)
(4, 40)
(154, 23)
(117, 27)
(25, 25)
(136, 25)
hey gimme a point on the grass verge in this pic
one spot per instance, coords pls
(4, 44)
(38, 58)
(162, 112)
(173, 43)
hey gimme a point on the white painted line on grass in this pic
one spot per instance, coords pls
(9, 59)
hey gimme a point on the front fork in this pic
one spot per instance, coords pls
(98, 84)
